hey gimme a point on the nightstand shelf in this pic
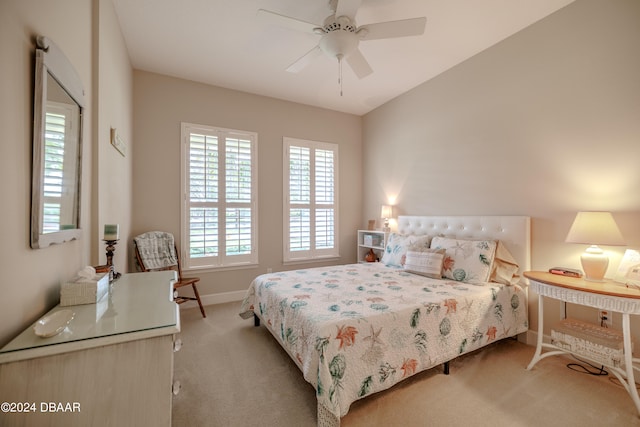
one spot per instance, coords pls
(375, 240)
(605, 295)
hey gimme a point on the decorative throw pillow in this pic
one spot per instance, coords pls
(505, 267)
(426, 262)
(397, 246)
(466, 260)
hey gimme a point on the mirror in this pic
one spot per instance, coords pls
(58, 111)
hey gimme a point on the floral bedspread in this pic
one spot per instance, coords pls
(358, 329)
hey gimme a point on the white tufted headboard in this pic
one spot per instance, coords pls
(513, 231)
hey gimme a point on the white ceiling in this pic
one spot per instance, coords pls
(223, 43)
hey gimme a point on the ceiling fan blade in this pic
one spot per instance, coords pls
(285, 21)
(391, 29)
(305, 60)
(359, 64)
(348, 8)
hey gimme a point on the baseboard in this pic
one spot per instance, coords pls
(219, 298)
(531, 338)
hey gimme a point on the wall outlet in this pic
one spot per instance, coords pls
(604, 318)
(269, 270)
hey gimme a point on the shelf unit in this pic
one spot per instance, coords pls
(371, 239)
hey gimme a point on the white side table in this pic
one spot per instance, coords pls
(605, 295)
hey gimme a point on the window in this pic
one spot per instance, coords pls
(219, 212)
(311, 193)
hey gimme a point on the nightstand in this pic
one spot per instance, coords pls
(371, 239)
(607, 295)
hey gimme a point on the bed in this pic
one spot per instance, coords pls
(354, 330)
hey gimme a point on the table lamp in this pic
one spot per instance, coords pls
(595, 228)
(386, 213)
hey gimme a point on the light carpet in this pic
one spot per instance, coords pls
(234, 374)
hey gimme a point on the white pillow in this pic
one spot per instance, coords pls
(426, 262)
(466, 260)
(397, 246)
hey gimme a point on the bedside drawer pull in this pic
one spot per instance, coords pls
(176, 387)
(177, 345)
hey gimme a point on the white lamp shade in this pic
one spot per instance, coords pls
(595, 228)
(386, 211)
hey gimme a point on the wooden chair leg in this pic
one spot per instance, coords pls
(195, 291)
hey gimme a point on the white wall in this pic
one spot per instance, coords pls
(161, 103)
(545, 124)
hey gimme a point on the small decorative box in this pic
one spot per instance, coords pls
(368, 239)
(602, 345)
(83, 290)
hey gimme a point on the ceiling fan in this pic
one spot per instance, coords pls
(340, 36)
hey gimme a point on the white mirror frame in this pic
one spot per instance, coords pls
(50, 60)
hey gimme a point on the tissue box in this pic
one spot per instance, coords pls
(84, 291)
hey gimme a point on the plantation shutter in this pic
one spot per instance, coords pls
(300, 199)
(203, 195)
(54, 134)
(325, 185)
(311, 188)
(238, 194)
(221, 197)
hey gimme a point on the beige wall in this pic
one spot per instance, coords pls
(114, 109)
(544, 124)
(161, 103)
(31, 278)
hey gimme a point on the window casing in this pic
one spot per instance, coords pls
(311, 200)
(219, 194)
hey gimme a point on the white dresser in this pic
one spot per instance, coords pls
(112, 366)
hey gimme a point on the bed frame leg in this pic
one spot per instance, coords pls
(446, 368)
(256, 320)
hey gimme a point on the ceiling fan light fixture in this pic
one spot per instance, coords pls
(339, 43)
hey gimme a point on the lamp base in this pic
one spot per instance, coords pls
(594, 263)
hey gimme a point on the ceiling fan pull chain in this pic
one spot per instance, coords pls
(340, 72)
